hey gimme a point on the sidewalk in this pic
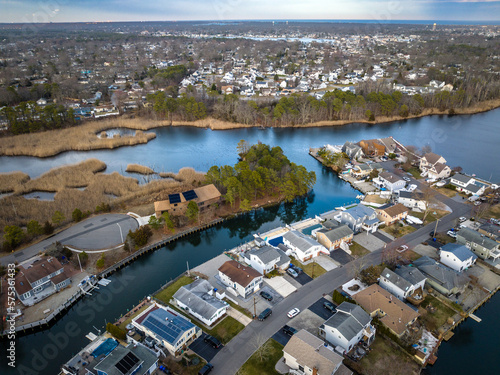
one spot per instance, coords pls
(240, 317)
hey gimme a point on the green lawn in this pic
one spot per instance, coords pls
(357, 250)
(166, 294)
(263, 361)
(312, 269)
(415, 172)
(397, 231)
(225, 330)
(430, 215)
(434, 320)
(129, 319)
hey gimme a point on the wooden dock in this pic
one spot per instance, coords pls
(477, 319)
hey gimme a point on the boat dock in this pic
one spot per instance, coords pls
(476, 318)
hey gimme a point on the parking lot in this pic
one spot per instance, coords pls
(204, 349)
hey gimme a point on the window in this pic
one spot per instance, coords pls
(301, 368)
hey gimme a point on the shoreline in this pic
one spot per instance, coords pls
(85, 137)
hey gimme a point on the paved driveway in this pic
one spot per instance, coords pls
(369, 241)
(318, 309)
(204, 349)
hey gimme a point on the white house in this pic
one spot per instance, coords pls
(242, 279)
(411, 200)
(434, 166)
(389, 181)
(466, 184)
(402, 282)
(267, 258)
(302, 246)
(456, 256)
(348, 326)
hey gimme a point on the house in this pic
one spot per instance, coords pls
(361, 171)
(241, 279)
(457, 257)
(390, 145)
(347, 327)
(434, 166)
(412, 200)
(332, 238)
(392, 312)
(403, 281)
(176, 204)
(352, 150)
(309, 355)
(198, 299)
(466, 184)
(303, 247)
(40, 280)
(360, 217)
(479, 244)
(372, 147)
(266, 259)
(389, 181)
(443, 279)
(227, 89)
(393, 214)
(490, 230)
(167, 328)
(134, 359)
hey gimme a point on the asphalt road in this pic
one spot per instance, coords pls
(98, 232)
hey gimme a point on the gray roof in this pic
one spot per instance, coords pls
(360, 211)
(299, 240)
(472, 188)
(196, 297)
(492, 229)
(349, 319)
(467, 234)
(411, 274)
(460, 251)
(376, 166)
(145, 360)
(461, 178)
(410, 194)
(337, 233)
(391, 177)
(265, 253)
(395, 279)
(389, 144)
(441, 274)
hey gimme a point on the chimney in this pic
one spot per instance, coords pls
(315, 371)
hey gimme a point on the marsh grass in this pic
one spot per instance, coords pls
(9, 181)
(141, 169)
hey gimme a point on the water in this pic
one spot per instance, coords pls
(40, 195)
(470, 141)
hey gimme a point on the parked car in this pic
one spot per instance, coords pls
(266, 295)
(329, 306)
(292, 272)
(452, 233)
(462, 219)
(265, 314)
(402, 249)
(290, 331)
(206, 369)
(212, 341)
(293, 312)
(295, 268)
(407, 179)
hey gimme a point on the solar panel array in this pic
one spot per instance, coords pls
(174, 198)
(189, 195)
(127, 363)
(166, 326)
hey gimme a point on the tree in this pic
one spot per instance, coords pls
(242, 147)
(428, 196)
(84, 257)
(404, 111)
(48, 228)
(116, 331)
(77, 215)
(245, 205)
(192, 211)
(58, 217)
(168, 221)
(34, 228)
(100, 262)
(13, 235)
(154, 222)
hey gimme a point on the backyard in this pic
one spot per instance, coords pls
(166, 294)
(263, 361)
(397, 230)
(225, 330)
(312, 269)
(432, 215)
(434, 319)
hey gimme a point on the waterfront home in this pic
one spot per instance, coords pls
(361, 171)
(412, 200)
(372, 147)
(266, 259)
(241, 280)
(390, 145)
(434, 166)
(466, 184)
(198, 300)
(177, 203)
(303, 247)
(392, 312)
(347, 327)
(403, 282)
(389, 181)
(333, 238)
(360, 217)
(490, 230)
(440, 277)
(478, 243)
(457, 257)
(392, 214)
(307, 354)
(352, 150)
(41, 279)
(167, 328)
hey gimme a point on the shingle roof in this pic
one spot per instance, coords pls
(196, 297)
(41, 269)
(265, 253)
(441, 274)
(432, 158)
(470, 235)
(299, 240)
(338, 233)
(391, 177)
(395, 279)
(239, 273)
(395, 210)
(461, 178)
(411, 274)
(360, 211)
(460, 251)
(349, 320)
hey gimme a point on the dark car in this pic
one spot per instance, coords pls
(206, 369)
(266, 295)
(212, 341)
(329, 306)
(290, 331)
(265, 314)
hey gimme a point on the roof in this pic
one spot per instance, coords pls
(22, 284)
(460, 251)
(410, 274)
(239, 273)
(389, 144)
(472, 188)
(397, 314)
(196, 296)
(441, 274)
(299, 240)
(360, 211)
(126, 361)
(349, 320)
(461, 178)
(410, 195)
(337, 233)
(395, 279)
(470, 235)
(395, 210)
(491, 229)
(201, 194)
(432, 158)
(310, 351)
(59, 278)
(41, 269)
(391, 177)
(439, 167)
(265, 253)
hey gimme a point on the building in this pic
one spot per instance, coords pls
(333, 238)
(392, 312)
(443, 279)
(176, 204)
(241, 280)
(478, 243)
(434, 166)
(198, 300)
(347, 327)
(403, 281)
(392, 214)
(266, 259)
(40, 280)
(360, 217)
(308, 354)
(457, 257)
(390, 145)
(490, 230)
(352, 150)
(167, 328)
(303, 247)
(389, 181)
(372, 147)
(412, 200)
(466, 184)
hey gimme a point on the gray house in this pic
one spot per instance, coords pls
(479, 244)
(267, 258)
(403, 282)
(352, 150)
(440, 277)
(360, 217)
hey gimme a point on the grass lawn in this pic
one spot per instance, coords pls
(308, 268)
(374, 198)
(225, 330)
(357, 250)
(430, 215)
(444, 238)
(166, 294)
(387, 358)
(415, 172)
(411, 255)
(494, 211)
(239, 308)
(433, 321)
(129, 319)
(263, 361)
(397, 231)
(450, 193)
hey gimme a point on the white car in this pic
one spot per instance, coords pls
(293, 312)
(462, 219)
(452, 234)
(407, 179)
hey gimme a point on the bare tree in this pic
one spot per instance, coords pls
(428, 196)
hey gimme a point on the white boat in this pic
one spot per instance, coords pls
(414, 220)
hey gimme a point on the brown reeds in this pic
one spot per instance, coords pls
(9, 181)
(141, 169)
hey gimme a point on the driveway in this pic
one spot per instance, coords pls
(204, 349)
(341, 257)
(326, 262)
(369, 241)
(426, 250)
(319, 310)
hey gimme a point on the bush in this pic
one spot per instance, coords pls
(48, 228)
(338, 298)
(100, 262)
(141, 235)
(450, 186)
(116, 331)
(103, 207)
(77, 215)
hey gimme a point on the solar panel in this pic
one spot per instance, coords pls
(189, 195)
(166, 325)
(174, 198)
(126, 363)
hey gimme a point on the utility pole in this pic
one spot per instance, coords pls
(312, 273)
(435, 229)
(254, 308)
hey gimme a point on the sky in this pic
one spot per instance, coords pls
(28, 11)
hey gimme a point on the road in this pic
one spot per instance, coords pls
(240, 348)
